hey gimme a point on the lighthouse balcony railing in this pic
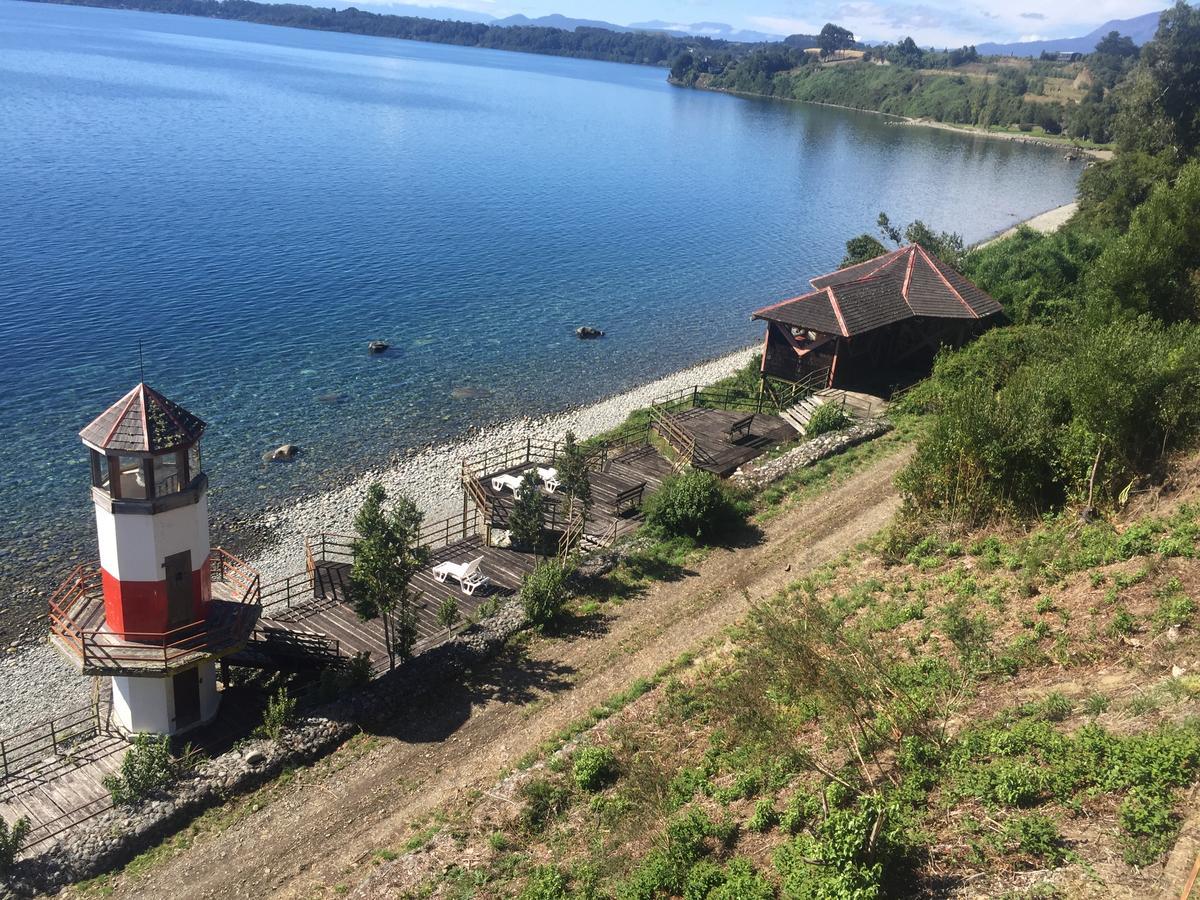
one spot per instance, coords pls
(77, 622)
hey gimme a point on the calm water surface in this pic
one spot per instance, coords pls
(254, 204)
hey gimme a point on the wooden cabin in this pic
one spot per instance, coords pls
(873, 325)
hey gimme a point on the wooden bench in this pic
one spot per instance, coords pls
(740, 429)
(629, 499)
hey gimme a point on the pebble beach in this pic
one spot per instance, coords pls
(36, 683)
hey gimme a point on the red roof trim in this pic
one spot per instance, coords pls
(837, 311)
(946, 282)
(884, 261)
(807, 296)
(129, 398)
(908, 273)
(145, 417)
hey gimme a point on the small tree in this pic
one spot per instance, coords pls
(147, 768)
(572, 465)
(448, 614)
(387, 554)
(280, 712)
(527, 519)
(11, 841)
(544, 591)
(834, 39)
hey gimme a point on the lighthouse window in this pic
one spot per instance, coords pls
(193, 466)
(133, 478)
(168, 477)
(99, 470)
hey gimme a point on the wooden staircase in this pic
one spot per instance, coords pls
(853, 403)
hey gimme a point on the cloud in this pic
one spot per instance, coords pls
(1039, 16)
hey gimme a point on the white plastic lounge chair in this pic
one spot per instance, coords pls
(512, 482)
(549, 478)
(467, 575)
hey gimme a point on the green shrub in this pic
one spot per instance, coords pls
(825, 418)
(694, 504)
(147, 768)
(1148, 826)
(526, 519)
(741, 882)
(546, 883)
(544, 592)
(337, 680)
(280, 712)
(1036, 835)
(765, 817)
(594, 768)
(543, 802)
(702, 880)
(11, 840)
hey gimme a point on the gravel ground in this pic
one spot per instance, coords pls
(37, 684)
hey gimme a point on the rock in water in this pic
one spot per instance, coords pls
(285, 451)
(377, 346)
(587, 331)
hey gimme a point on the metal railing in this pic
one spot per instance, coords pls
(52, 738)
(75, 603)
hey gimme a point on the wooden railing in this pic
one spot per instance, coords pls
(683, 443)
(82, 592)
(46, 740)
(574, 531)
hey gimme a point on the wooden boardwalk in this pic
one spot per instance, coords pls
(717, 452)
(327, 612)
(614, 512)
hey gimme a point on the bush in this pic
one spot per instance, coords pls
(526, 519)
(546, 883)
(594, 767)
(1036, 835)
(694, 504)
(825, 418)
(544, 592)
(543, 801)
(1148, 825)
(280, 711)
(11, 841)
(337, 680)
(147, 768)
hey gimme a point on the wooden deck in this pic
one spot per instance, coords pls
(719, 454)
(640, 467)
(63, 791)
(95, 650)
(327, 613)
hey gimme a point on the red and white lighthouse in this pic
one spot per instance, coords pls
(158, 619)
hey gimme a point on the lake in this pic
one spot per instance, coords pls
(252, 205)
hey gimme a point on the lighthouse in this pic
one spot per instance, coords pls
(162, 606)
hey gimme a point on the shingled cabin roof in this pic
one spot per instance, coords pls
(143, 421)
(907, 283)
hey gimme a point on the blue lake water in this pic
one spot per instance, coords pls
(255, 204)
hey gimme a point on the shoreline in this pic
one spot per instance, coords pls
(897, 119)
(1047, 222)
(430, 476)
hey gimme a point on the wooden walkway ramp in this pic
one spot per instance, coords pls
(719, 451)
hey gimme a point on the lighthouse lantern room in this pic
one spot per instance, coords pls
(162, 606)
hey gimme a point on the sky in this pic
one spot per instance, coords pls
(930, 22)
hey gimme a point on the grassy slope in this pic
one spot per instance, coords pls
(1007, 700)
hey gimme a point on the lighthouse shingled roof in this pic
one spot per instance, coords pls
(908, 283)
(143, 421)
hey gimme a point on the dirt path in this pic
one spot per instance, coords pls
(321, 829)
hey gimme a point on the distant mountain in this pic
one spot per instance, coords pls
(707, 29)
(442, 13)
(1141, 29)
(557, 21)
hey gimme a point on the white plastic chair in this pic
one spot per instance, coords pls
(549, 478)
(467, 575)
(500, 482)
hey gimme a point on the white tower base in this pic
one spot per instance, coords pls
(170, 705)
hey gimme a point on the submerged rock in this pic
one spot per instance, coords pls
(466, 392)
(377, 347)
(284, 451)
(586, 332)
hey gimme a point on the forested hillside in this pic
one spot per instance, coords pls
(956, 86)
(642, 48)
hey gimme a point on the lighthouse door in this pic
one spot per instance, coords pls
(179, 589)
